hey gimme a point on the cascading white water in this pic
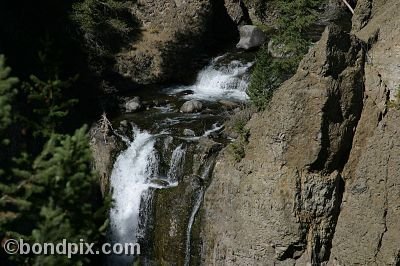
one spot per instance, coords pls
(214, 128)
(196, 208)
(175, 168)
(129, 180)
(220, 82)
(135, 171)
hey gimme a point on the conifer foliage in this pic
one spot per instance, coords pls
(7, 93)
(48, 190)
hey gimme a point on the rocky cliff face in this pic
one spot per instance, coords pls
(174, 34)
(368, 231)
(320, 179)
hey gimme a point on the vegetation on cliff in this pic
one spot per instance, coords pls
(296, 17)
(105, 26)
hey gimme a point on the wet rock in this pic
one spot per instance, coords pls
(251, 37)
(133, 105)
(125, 128)
(173, 207)
(124, 123)
(204, 157)
(228, 104)
(160, 182)
(188, 132)
(191, 106)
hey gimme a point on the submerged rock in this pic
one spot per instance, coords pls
(191, 106)
(251, 37)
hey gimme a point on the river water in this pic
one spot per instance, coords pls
(156, 153)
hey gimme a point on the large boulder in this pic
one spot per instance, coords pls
(251, 37)
(191, 106)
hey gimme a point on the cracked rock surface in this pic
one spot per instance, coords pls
(280, 203)
(320, 180)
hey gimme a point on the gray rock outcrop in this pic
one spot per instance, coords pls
(250, 37)
(368, 231)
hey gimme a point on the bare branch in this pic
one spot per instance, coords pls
(105, 126)
(349, 6)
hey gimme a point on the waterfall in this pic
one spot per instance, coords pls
(176, 165)
(135, 171)
(158, 161)
(129, 180)
(219, 82)
(196, 208)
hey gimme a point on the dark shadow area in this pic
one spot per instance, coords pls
(41, 38)
(190, 52)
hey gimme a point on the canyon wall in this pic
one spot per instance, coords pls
(319, 182)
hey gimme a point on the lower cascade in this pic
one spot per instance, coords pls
(190, 225)
(129, 181)
(160, 156)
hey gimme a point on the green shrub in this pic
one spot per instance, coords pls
(238, 150)
(268, 74)
(237, 123)
(296, 17)
(395, 103)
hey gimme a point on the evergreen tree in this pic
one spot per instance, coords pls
(7, 94)
(49, 104)
(55, 196)
(71, 205)
(296, 17)
(14, 184)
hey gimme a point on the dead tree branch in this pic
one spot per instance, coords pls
(349, 6)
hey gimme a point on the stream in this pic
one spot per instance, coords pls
(161, 157)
